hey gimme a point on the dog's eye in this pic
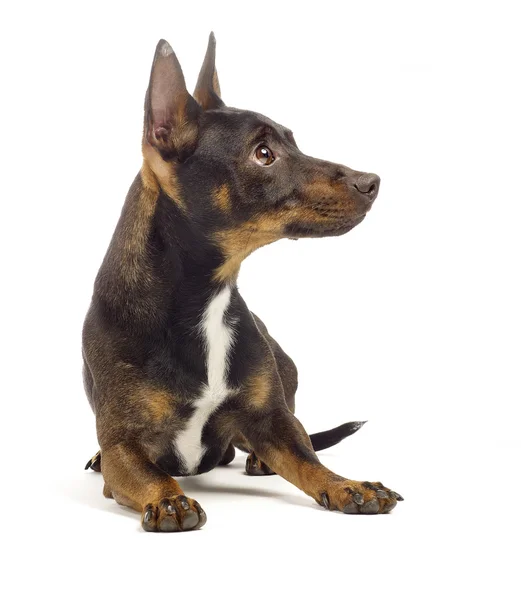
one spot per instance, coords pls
(264, 156)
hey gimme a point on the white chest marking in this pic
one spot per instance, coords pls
(218, 338)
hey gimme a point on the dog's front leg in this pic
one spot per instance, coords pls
(279, 440)
(134, 481)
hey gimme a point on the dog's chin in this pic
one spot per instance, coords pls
(296, 231)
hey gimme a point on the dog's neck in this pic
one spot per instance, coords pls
(182, 250)
(160, 264)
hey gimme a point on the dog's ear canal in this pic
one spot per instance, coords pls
(171, 114)
(207, 91)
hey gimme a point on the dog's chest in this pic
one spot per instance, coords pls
(217, 336)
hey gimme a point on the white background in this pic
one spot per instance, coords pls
(410, 321)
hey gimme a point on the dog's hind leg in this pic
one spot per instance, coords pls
(138, 483)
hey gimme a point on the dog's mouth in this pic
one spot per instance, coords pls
(299, 230)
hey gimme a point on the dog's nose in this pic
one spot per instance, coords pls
(368, 184)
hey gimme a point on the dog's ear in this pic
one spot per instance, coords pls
(171, 114)
(207, 91)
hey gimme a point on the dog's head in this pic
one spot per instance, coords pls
(237, 174)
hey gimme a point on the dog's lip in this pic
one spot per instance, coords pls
(348, 224)
(351, 224)
(340, 228)
(359, 219)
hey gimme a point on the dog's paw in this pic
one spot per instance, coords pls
(255, 466)
(177, 513)
(353, 497)
(95, 462)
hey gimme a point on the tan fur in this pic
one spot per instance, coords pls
(158, 404)
(215, 83)
(258, 388)
(238, 243)
(107, 492)
(134, 234)
(159, 174)
(316, 480)
(133, 480)
(310, 478)
(221, 198)
(330, 198)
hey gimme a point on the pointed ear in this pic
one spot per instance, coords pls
(171, 114)
(207, 91)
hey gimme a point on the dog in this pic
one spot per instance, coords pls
(177, 370)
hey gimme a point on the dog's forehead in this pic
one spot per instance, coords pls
(239, 121)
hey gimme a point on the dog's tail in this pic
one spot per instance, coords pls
(326, 439)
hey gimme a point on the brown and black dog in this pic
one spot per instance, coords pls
(177, 370)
